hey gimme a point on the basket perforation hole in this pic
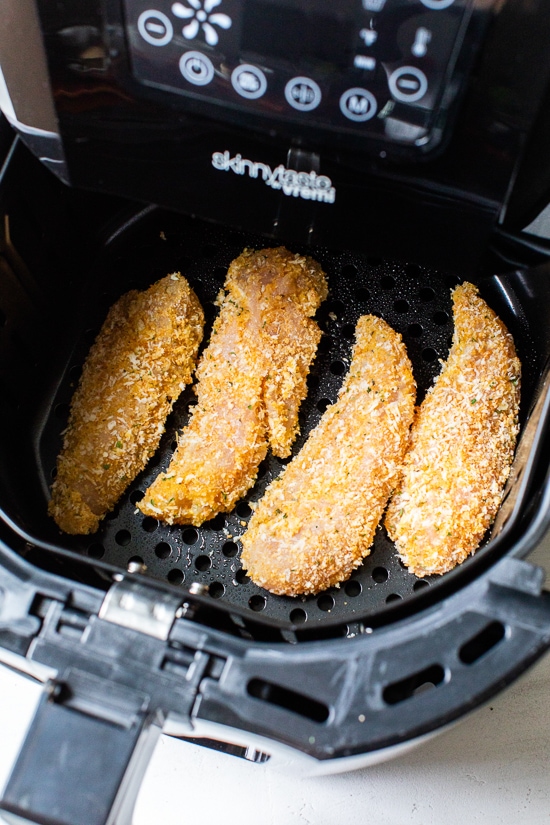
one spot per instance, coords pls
(175, 576)
(325, 602)
(219, 273)
(243, 510)
(96, 551)
(123, 538)
(136, 495)
(298, 616)
(353, 588)
(393, 597)
(149, 524)
(216, 590)
(163, 550)
(190, 536)
(61, 411)
(422, 584)
(230, 549)
(429, 355)
(440, 318)
(337, 368)
(335, 308)
(413, 685)
(75, 372)
(348, 331)
(414, 330)
(241, 577)
(203, 563)
(257, 603)
(401, 306)
(480, 644)
(217, 523)
(135, 560)
(349, 271)
(380, 574)
(426, 294)
(325, 344)
(387, 282)
(323, 404)
(262, 470)
(362, 294)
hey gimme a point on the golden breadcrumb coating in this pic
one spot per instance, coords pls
(316, 522)
(251, 382)
(138, 365)
(462, 444)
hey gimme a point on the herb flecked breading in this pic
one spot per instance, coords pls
(141, 360)
(251, 382)
(462, 444)
(316, 521)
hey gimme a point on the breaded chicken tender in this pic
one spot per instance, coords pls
(316, 522)
(141, 360)
(462, 444)
(251, 382)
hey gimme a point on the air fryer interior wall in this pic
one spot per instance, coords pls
(86, 251)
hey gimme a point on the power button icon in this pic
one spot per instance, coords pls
(196, 68)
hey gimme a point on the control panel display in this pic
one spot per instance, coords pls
(383, 69)
(288, 32)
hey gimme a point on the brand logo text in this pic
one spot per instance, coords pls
(307, 185)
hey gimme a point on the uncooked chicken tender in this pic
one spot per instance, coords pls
(317, 521)
(141, 360)
(251, 382)
(462, 444)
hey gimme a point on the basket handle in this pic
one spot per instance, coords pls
(81, 762)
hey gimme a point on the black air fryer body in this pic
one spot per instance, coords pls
(403, 144)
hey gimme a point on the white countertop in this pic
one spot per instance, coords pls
(492, 768)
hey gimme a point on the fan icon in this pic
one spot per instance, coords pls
(200, 16)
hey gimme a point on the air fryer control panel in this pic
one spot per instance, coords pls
(382, 69)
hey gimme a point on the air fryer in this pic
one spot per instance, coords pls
(405, 154)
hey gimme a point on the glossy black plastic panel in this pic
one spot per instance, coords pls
(378, 69)
(153, 145)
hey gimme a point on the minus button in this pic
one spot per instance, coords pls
(408, 84)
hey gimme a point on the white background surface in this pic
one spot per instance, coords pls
(492, 768)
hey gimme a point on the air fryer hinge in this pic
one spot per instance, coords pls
(130, 604)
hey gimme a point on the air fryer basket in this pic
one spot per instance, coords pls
(43, 350)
